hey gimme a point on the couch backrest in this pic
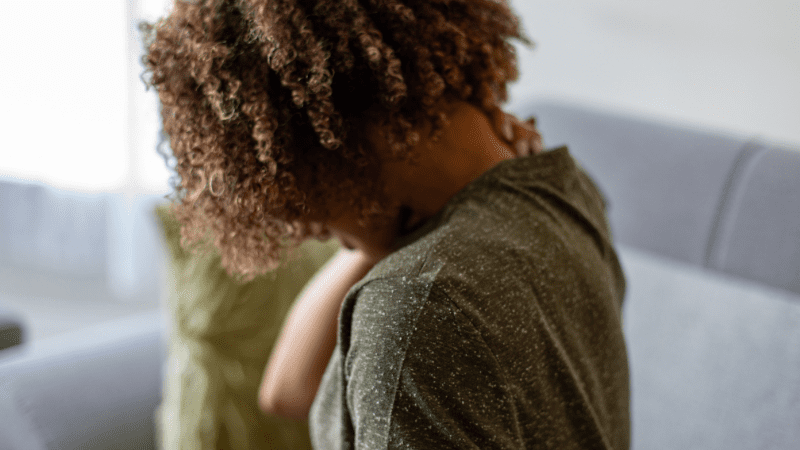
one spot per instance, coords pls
(108, 241)
(758, 231)
(728, 203)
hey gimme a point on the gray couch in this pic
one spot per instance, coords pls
(11, 329)
(708, 228)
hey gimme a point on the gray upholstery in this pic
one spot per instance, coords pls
(110, 238)
(663, 183)
(759, 229)
(11, 329)
(53, 229)
(715, 360)
(96, 388)
(709, 234)
(723, 202)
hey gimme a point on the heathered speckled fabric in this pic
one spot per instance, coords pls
(496, 325)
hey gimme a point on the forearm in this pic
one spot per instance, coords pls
(308, 337)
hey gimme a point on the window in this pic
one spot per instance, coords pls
(75, 113)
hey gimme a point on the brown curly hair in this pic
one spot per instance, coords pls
(263, 103)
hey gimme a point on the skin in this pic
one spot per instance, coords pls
(468, 147)
(472, 144)
(308, 337)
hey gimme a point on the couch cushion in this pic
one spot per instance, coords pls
(759, 228)
(714, 360)
(222, 333)
(663, 183)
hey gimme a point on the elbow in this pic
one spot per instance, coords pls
(284, 403)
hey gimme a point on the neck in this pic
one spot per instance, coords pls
(468, 147)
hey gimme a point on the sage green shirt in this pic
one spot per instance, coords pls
(496, 325)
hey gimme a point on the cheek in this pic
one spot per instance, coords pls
(346, 243)
(348, 236)
(376, 240)
(374, 244)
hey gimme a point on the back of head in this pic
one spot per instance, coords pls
(263, 102)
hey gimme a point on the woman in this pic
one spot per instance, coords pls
(491, 317)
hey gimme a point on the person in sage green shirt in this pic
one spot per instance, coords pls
(368, 121)
(495, 325)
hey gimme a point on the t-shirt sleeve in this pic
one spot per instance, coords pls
(441, 388)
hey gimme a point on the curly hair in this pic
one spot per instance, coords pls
(263, 104)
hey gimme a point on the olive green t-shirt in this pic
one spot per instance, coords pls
(496, 325)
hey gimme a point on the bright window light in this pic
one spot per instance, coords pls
(151, 172)
(64, 92)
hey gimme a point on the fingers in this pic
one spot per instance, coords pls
(521, 136)
(534, 137)
(527, 139)
(502, 124)
(522, 147)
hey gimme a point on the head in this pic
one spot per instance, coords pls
(270, 107)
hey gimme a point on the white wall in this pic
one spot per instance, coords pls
(725, 64)
(75, 114)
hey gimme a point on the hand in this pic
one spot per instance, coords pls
(306, 341)
(521, 136)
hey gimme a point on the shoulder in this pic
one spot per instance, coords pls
(383, 312)
(416, 361)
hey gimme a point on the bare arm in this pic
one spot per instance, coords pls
(308, 337)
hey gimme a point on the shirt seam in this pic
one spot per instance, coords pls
(396, 383)
(408, 344)
(440, 291)
(501, 369)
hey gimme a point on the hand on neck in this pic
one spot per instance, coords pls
(468, 147)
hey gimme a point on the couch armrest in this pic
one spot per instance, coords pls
(11, 329)
(95, 388)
